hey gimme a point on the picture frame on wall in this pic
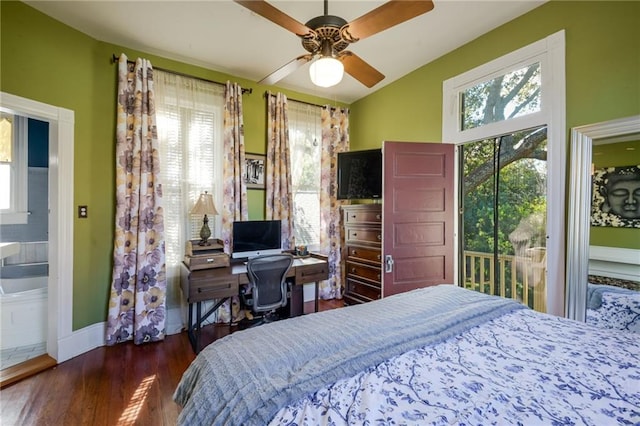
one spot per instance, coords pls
(254, 171)
(616, 197)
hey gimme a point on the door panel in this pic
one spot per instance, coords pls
(418, 215)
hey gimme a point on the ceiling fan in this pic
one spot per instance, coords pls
(326, 37)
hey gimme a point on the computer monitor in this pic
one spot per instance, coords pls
(256, 238)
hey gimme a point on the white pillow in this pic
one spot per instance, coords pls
(619, 311)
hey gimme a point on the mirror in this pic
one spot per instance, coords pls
(578, 224)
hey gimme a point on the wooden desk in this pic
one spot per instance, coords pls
(220, 284)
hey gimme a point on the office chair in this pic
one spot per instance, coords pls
(268, 275)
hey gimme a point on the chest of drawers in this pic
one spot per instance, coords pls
(363, 252)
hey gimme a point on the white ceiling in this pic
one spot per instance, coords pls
(224, 36)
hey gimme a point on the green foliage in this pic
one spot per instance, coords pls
(506, 96)
(305, 163)
(513, 166)
(521, 195)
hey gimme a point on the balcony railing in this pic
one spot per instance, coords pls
(522, 278)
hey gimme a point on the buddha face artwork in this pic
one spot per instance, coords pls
(616, 197)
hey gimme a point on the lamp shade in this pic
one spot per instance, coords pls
(204, 205)
(326, 71)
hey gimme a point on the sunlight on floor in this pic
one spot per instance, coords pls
(130, 414)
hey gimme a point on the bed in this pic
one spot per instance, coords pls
(440, 355)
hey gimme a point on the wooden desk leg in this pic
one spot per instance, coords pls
(199, 325)
(317, 290)
(190, 328)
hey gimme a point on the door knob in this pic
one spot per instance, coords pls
(388, 263)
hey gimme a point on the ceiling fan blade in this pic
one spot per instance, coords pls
(386, 16)
(273, 14)
(359, 69)
(285, 70)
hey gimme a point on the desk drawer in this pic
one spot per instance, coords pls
(365, 271)
(207, 289)
(312, 273)
(364, 254)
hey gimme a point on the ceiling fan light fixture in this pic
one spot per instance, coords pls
(326, 71)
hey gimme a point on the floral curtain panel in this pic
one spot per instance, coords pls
(137, 308)
(279, 195)
(335, 139)
(234, 203)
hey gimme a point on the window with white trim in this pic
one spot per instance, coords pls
(522, 90)
(13, 169)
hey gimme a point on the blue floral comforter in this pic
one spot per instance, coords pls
(523, 368)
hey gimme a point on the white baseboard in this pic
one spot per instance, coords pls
(614, 262)
(94, 336)
(81, 341)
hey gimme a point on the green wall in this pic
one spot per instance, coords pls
(616, 155)
(47, 61)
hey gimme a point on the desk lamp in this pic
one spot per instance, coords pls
(204, 206)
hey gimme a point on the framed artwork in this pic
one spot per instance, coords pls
(254, 168)
(616, 197)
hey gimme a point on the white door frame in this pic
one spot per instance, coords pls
(61, 151)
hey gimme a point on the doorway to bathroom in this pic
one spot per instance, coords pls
(24, 178)
(60, 344)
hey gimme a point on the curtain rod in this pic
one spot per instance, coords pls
(114, 60)
(267, 93)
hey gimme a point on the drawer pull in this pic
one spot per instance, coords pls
(379, 237)
(210, 260)
(208, 289)
(355, 234)
(354, 270)
(378, 217)
(379, 257)
(354, 252)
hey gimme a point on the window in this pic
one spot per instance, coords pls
(305, 140)
(190, 115)
(502, 219)
(509, 117)
(510, 95)
(13, 169)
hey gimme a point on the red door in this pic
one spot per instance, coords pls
(418, 203)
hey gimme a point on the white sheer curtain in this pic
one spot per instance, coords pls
(305, 140)
(190, 115)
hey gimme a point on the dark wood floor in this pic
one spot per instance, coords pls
(118, 385)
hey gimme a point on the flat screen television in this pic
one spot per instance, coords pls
(256, 238)
(360, 174)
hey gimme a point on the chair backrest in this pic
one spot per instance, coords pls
(268, 276)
